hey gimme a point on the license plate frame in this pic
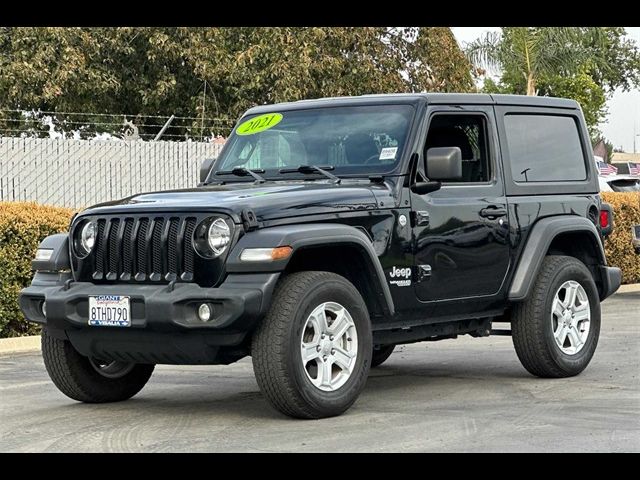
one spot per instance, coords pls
(109, 311)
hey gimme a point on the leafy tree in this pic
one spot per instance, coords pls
(602, 60)
(211, 72)
(253, 65)
(582, 88)
(532, 52)
(620, 59)
(95, 70)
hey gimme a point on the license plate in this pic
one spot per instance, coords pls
(109, 311)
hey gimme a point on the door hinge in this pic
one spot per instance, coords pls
(419, 218)
(424, 271)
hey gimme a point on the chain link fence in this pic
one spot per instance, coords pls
(78, 173)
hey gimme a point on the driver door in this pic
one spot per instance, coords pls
(461, 231)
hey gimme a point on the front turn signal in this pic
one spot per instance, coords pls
(265, 254)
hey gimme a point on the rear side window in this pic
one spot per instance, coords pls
(544, 148)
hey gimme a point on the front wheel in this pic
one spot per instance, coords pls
(312, 352)
(555, 330)
(91, 380)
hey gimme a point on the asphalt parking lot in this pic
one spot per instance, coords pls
(456, 395)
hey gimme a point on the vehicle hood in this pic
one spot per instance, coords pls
(268, 201)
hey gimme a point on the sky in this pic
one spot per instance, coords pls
(623, 121)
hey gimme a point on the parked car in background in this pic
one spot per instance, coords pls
(619, 183)
(635, 238)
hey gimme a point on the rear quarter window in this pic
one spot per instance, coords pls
(544, 148)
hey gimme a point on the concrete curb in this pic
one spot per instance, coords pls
(20, 344)
(632, 287)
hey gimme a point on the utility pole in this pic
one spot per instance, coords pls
(164, 128)
(204, 100)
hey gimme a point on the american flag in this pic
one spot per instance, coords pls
(606, 168)
(634, 168)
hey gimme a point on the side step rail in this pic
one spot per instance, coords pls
(502, 332)
(505, 332)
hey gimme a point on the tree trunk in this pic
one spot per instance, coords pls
(531, 85)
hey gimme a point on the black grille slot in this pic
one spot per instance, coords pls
(188, 253)
(141, 265)
(172, 251)
(100, 247)
(114, 255)
(157, 250)
(144, 249)
(127, 250)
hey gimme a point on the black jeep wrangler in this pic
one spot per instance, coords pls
(327, 232)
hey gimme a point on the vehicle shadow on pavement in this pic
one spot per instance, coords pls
(204, 403)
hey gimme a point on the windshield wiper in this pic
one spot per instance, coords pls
(314, 169)
(243, 172)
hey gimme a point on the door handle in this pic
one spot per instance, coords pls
(493, 212)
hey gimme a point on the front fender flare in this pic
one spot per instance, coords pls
(303, 236)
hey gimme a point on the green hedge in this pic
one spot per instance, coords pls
(620, 253)
(22, 228)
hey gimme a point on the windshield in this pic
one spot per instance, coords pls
(361, 140)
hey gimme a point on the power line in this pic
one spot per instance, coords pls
(121, 115)
(69, 135)
(70, 122)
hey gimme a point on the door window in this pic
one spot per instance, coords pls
(469, 133)
(544, 148)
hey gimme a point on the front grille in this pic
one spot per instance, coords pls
(144, 249)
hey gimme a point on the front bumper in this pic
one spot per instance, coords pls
(165, 327)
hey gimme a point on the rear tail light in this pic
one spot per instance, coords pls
(605, 219)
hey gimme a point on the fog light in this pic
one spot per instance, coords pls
(204, 312)
(43, 307)
(44, 254)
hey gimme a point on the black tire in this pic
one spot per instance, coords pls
(75, 376)
(531, 324)
(380, 354)
(276, 354)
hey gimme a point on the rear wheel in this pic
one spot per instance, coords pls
(312, 352)
(380, 354)
(91, 380)
(555, 330)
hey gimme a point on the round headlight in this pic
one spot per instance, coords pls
(87, 238)
(212, 237)
(218, 236)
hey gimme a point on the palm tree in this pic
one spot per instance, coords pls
(535, 51)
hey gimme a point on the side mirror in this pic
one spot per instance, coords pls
(204, 169)
(444, 163)
(422, 188)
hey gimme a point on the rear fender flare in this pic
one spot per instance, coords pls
(539, 240)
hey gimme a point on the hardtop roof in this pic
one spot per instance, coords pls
(415, 98)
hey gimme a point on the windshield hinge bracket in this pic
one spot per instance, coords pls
(249, 220)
